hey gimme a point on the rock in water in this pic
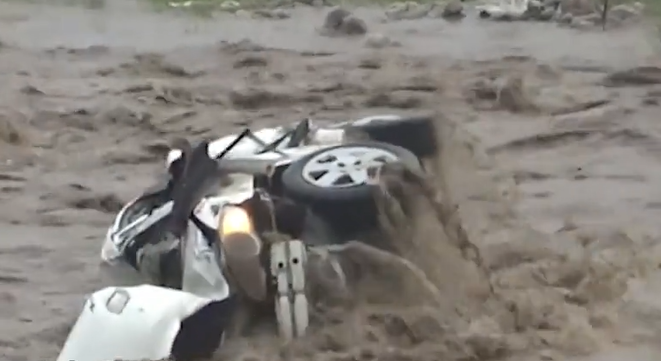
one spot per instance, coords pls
(353, 26)
(547, 15)
(417, 11)
(243, 14)
(409, 10)
(272, 13)
(577, 7)
(396, 11)
(624, 12)
(339, 21)
(230, 6)
(335, 18)
(379, 41)
(566, 18)
(453, 10)
(581, 24)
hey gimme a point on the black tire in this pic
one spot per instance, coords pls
(417, 134)
(347, 210)
(296, 187)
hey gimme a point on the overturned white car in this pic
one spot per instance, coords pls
(189, 249)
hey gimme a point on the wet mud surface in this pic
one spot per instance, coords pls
(551, 153)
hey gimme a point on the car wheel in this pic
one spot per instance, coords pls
(417, 134)
(334, 181)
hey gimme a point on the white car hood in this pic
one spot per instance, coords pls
(132, 323)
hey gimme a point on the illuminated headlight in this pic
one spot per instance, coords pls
(242, 247)
(236, 232)
(235, 220)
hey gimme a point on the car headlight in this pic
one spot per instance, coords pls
(235, 220)
(242, 247)
(236, 232)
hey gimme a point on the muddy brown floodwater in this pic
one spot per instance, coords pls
(552, 156)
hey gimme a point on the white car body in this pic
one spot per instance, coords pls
(132, 322)
(142, 322)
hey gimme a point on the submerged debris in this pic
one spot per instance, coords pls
(642, 75)
(340, 21)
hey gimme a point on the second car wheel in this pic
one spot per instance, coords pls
(333, 181)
